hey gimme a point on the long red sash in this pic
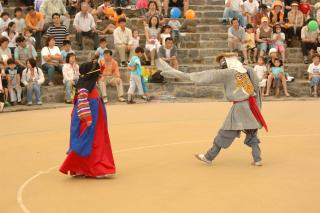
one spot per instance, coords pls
(255, 111)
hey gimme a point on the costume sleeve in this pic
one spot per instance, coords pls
(84, 111)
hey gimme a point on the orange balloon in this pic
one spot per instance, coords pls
(190, 14)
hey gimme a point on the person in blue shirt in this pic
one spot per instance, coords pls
(102, 47)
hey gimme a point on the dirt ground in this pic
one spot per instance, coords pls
(153, 147)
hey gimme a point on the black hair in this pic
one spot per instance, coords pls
(11, 61)
(153, 2)
(9, 26)
(20, 39)
(122, 20)
(4, 14)
(169, 39)
(103, 40)
(249, 26)
(263, 7)
(106, 52)
(32, 62)
(119, 11)
(30, 9)
(234, 19)
(69, 56)
(150, 25)
(66, 42)
(17, 9)
(55, 14)
(139, 50)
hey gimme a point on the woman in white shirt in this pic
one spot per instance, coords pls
(11, 34)
(71, 74)
(5, 52)
(51, 59)
(32, 78)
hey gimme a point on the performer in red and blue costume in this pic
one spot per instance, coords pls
(90, 152)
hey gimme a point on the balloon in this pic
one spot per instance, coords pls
(175, 12)
(190, 14)
(313, 26)
(304, 8)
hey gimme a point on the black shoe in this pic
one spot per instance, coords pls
(224, 22)
(131, 102)
(124, 64)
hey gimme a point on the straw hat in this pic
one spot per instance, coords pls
(226, 55)
(276, 3)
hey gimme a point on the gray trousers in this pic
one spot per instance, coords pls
(226, 137)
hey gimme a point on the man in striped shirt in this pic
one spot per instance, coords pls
(58, 31)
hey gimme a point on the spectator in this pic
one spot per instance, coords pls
(317, 11)
(264, 36)
(32, 79)
(4, 21)
(71, 74)
(50, 7)
(264, 12)
(261, 71)
(110, 76)
(175, 25)
(314, 74)
(90, 4)
(51, 58)
(122, 38)
(34, 21)
(72, 7)
(13, 82)
(37, 4)
(279, 41)
(19, 20)
(277, 73)
(11, 34)
(105, 9)
(234, 9)
(153, 10)
(166, 32)
(115, 19)
(85, 26)
(276, 14)
(142, 6)
(100, 51)
(120, 3)
(23, 52)
(5, 52)
(4, 82)
(29, 38)
(251, 8)
(135, 41)
(66, 49)
(58, 31)
(237, 39)
(309, 41)
(251, 44)
(183, 5)
(295, 23)
(168, 53)
(152, 33)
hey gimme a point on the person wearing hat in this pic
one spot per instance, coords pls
(264, 36)
(263, 12)
(237, 39)
(276, 14)
(242, 89)
(90, 152)
(308, 41)
(295, 23)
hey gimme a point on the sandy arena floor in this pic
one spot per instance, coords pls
(153, 148)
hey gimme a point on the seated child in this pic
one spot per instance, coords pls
(166, 31)
(277, 73)
(261, 71)
(175, 26)
(314, 74)
(278, 41)
(66, 49)
(102, 47)
(13, 82)
(251, 44)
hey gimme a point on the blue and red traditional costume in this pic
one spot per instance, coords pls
(90, 152)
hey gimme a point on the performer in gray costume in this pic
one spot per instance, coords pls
(242, 88)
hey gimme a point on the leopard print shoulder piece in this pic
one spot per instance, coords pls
(244, 83)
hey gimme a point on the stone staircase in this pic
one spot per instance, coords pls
(205, 37)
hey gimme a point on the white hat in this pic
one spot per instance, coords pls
(272, 50)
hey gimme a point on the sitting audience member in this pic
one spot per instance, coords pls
(276, 14)
(153, 10)
(71, 74)
(19, 20)
(85, 26)
(276, 74)
(35, 22)
(309, 41)
(234, 9)
(51, 58)
(152, 33)
(4, 82)
(1, 94)
(183, 5)
(32, 79)
(251, 8)
(29, 38)
(122, 38)
(264, 36)
(135, 41)
(295, 23)
(110, 76)
(50, 7)
(13, 82)
(314, 74)
(102, 47)
(251, 44)
(5, 52)
(66, 49)
(264, 12)
(278, 39)
(23, 52)
(117, 15)
(142, 6)
(58, 31)
(261, 71)
(175, 26)
(166, 32)
(105, 9)
(168, 53)
(11, 34)
(237, 38)
(4, 21)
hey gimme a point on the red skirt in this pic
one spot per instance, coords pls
(100, 162)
